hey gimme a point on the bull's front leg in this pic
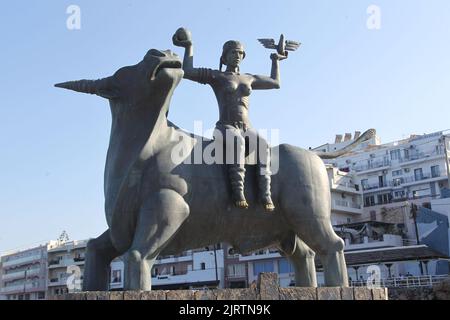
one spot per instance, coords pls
(160, 217)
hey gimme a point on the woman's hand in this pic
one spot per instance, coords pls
(182, 38)
(277, 56)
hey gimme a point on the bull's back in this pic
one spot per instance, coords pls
(303, 185)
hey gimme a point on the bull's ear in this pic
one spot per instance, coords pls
(104, 88)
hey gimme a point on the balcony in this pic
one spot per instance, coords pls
(379, 186)
(52, 264)
(21, 288)
(435, 176)
(69, 246)
(375, 166)
(173, 259)
(387, 240)
(420, 157)
(194, 276)
(21, 261)
(345, 187)
(21, 274)
(345, 206)
(55, 282)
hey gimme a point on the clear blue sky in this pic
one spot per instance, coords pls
(345, 78)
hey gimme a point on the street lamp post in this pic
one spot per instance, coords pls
(414, 210)
(215, 264)
(25, 283)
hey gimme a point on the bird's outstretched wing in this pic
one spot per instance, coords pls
(268, 43)
(292, 45)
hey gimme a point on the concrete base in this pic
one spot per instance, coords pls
(266, 289)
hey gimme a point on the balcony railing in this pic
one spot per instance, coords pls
(23, 260)
(347, 204)
(374, 186)
(404, 180)
(420, 155)
(374, 165)
(405, 282)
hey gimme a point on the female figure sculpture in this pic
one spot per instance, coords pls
(232, 90)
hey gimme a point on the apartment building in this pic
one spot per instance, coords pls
(346, 196)
(23, 274)
(193, 269)
(66, 266)
(412, 170)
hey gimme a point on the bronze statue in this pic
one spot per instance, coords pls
(232, 90)
(155, 206)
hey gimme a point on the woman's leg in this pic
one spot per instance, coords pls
(260, 149)
(235, 161)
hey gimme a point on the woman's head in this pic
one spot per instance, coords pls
(232, 54)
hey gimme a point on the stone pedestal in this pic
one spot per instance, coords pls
(266, 289)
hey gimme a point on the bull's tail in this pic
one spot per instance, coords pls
(369, 134)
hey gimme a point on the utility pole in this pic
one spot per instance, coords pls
(215, 264)
(447, 166)
(414, 216)
(25, 283)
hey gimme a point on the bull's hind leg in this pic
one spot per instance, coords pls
(159, 219)
(302, 259)
(99, 254)
(319, 235)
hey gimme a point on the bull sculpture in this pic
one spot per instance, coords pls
(157, 207)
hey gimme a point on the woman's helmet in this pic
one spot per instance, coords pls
(229, 45)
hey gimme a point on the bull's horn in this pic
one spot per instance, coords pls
(85, 86)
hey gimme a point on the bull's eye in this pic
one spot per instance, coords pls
(156, 53)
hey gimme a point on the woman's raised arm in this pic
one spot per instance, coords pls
(272, 82)
(183, 38)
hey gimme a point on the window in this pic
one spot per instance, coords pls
(395, 154)
(396, 173)
(236, 270)
(418, 174)
(264, 266)
(116, 276)
(406, 154)
(383, 198)
(399, 194)
(373, 215)
(381, 183)
(364, 183)
(284, 266)
(397, 181)
(369, 201)
(203, 266)
(435, 171)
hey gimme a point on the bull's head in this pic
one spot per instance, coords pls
(147, 84)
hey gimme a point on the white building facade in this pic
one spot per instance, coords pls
(23, 274)
(66, 267)
(413, 170)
